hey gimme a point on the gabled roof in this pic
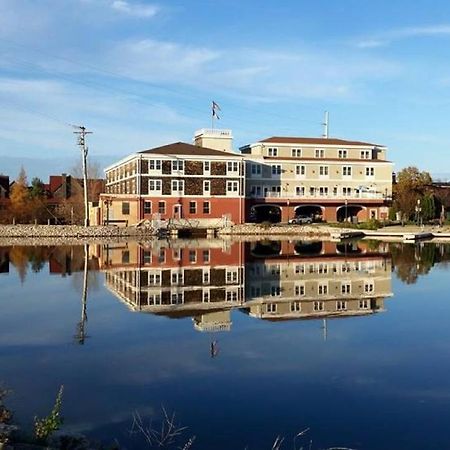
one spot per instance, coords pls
(181, 148)
(315, 141)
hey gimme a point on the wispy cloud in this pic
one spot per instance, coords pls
(139, 10)
(387, 37)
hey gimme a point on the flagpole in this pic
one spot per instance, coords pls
(212, 116)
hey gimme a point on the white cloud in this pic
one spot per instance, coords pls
(249, 72)
(135, 9)
(387, 37)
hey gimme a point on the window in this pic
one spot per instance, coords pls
(125, 208)
(206, 187)
(206, 276)
(271, 307)
(365, 154)
(154, 279)
(232, 186)
(296, 152)
(231, 276)
(232, 296)
(296, 307)
(318, 306)
(206, 256)
(299, 290)
(232, 166)
(177, 253)
(335, 191)
(300, 190)
(322, 289)
(312, 191)
(319, 153)
(276, 169)
(192, 207)
(346, 191)
(300, 268)
(154, 185)
(323, 191)
(369, 287)
(177, 298)
(177, 278)
(346, 288)
(162, 256)
(342, 153)
(341, 305)
(161, 207)
(272, 151)
(275, 291)
(300, 170)
(147, 257)
(154, 164)
(206, 208)
(323, 171)
(177, 166)
(347, 171)
(370, 171)
(147, 207)
(255, 169)
(206, 166)
(206, 296)
(178, 186)
(364, 304)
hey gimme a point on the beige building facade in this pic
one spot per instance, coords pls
(324, 178)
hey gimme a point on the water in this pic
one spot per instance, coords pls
(243, 341)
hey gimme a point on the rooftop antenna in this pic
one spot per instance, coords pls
(325, 126)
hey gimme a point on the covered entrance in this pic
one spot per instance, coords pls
(265, 213)
(313, 211)
(350, 213)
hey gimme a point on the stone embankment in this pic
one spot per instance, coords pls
(64, 234)
(276, 230)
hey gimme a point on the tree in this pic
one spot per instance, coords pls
(20, 198)
(37, 188)
(428, 207)
(411, 186)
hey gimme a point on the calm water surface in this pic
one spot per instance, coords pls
(244, 341)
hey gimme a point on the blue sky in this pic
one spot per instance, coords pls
(143, 73)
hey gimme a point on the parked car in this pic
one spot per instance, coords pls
(299, 220)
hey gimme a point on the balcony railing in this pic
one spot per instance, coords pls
(318, 196)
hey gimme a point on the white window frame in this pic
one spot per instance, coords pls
(156, 163)
(177, 187)
(157, 183)
(255, 170)
(276, 169)
(206, 187)
(319, 153)
(300, 170)
(296, 306)
(347, 171)
(300, 191)
(233, 187)
(343, 153)
(272, 151)
(178, 166)
(370, 172)
(324, 172)
(296, 152)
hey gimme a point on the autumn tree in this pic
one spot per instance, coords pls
(20, 198)
(411, 185)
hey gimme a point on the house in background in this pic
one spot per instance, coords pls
(4, 192)
(199, 185)
(324, 178)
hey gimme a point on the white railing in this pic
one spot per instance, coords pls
(213, 131)
(361, 195)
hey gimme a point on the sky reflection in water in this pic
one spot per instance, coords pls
(367, 380)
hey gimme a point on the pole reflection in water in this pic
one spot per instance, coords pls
(81, 335)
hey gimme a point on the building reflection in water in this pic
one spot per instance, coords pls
(199, 279)
(268, 280)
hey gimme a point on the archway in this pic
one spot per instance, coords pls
(313, 211)
(264, 249)
(349, 213)
(265, 213)
(308, 248)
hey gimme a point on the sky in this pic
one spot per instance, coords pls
(142, 73)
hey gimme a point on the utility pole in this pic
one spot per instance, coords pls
(84, 151)
(325, 126)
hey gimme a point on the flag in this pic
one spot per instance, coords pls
(215, 108)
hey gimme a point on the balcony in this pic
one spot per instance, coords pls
(317, 196)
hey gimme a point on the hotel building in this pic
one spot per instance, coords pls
(325, 178)
(196, 185)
